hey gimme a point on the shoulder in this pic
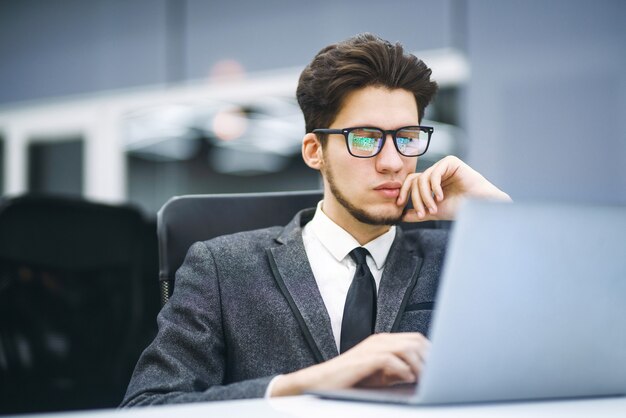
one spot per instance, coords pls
(263, 238)
(246, 237)
(427, 241)
(238, 255)
(231, 249)
(243, 242)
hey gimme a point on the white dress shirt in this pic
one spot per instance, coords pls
(327, 247)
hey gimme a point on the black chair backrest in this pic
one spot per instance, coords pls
(70, 302)
(184, 220)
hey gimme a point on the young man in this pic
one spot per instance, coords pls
(339, 297)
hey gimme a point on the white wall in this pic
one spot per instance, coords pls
(546, 102)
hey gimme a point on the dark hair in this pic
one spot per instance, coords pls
(361, 61)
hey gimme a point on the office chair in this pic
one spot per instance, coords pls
(184, 220)
(70, 302)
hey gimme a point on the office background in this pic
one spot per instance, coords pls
(539, 94)
(136, 101)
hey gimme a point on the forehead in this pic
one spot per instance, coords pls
(377, 106)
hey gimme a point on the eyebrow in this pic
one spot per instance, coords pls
(370, 125)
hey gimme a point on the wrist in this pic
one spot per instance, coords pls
(318, 376)
(288, 385)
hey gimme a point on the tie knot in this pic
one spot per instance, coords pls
(358, 255)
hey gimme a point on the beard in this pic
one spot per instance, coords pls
(359, 214)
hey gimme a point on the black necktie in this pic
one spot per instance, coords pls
(359, 312)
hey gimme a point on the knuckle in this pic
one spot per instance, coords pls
(380, 336)
(387, 361)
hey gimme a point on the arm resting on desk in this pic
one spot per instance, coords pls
(254, 388)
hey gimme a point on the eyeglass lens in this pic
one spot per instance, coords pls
(365, 142)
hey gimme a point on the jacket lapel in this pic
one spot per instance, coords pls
(399, 277)
(294, 277)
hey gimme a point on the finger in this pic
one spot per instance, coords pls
(420, 344)
(426, 192)
(435, 185)
(389, 370)
(406, 188)
(410, 215)
(416, 198)
(424, 351)
(416, 337)
(413, 359)
(447, 168)
(414, 353)
(396, 370)
(405, 346)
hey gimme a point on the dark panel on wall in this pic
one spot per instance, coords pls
(152, 183)
(56, 167)
(263, 35)
(64, 47)
(2, 165)
(70, 47)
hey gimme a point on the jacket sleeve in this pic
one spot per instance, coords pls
(186, 362)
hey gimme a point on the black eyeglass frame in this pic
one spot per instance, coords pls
(393, 132)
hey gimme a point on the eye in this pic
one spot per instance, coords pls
(365, 143)
(404, 142)
(409, 141)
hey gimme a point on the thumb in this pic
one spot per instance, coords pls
(410, 215)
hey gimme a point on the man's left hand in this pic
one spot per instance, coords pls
(437, 192)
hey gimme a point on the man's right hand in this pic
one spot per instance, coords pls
(379, 360)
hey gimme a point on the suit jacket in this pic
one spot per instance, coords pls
(246, 308)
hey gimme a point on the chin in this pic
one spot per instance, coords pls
(375, 216)
(381, 213)
(382, 219)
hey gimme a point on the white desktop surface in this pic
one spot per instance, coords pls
(313, 407)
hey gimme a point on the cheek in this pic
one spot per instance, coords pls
(359, 177)
(410, 165)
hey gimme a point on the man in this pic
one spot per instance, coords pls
(282, 310)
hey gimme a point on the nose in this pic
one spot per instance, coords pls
(389, 159)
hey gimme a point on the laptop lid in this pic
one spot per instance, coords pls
(531, 305)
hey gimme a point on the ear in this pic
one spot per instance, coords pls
(312, 151)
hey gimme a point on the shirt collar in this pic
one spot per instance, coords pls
(339, 242)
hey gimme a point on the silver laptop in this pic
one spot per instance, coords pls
(531, 305)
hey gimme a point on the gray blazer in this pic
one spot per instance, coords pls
(246, 308)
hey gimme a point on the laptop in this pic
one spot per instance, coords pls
(531, 305)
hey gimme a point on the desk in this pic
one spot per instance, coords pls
(312, 407)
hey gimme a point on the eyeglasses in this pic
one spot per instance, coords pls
(366, 142)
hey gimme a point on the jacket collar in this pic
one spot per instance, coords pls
(294, 277)
(398, 280)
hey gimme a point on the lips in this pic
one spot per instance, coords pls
(390, 189)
